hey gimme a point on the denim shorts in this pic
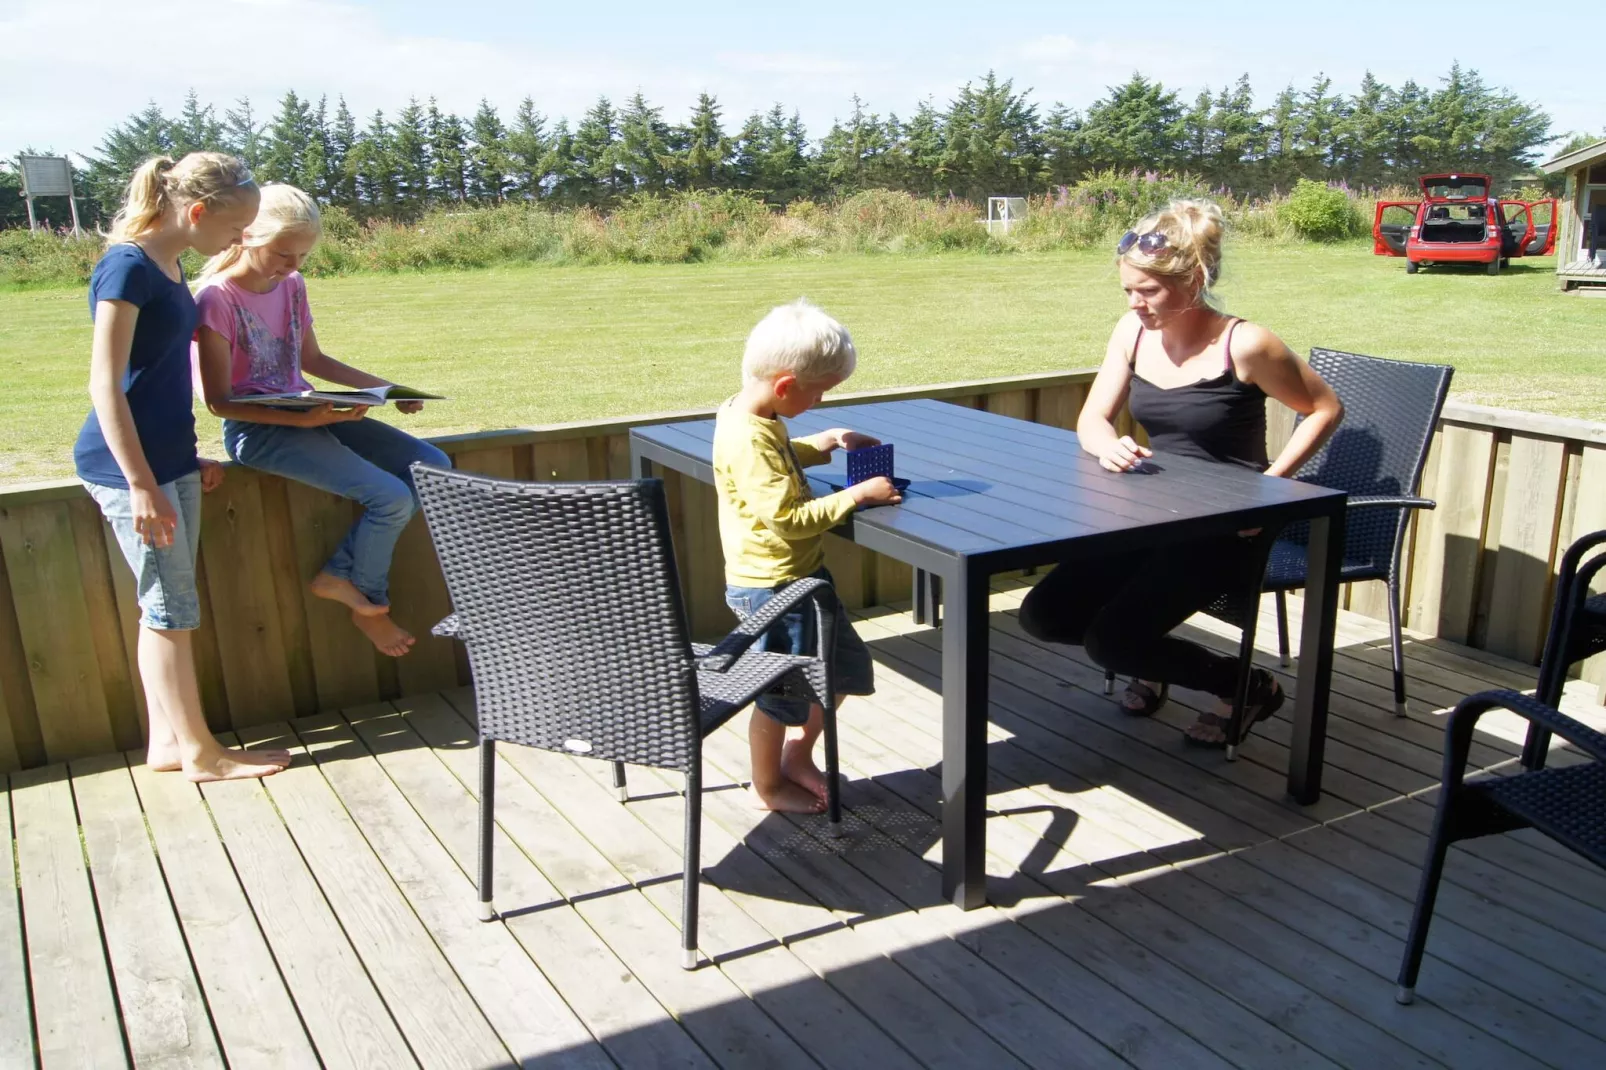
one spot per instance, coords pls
(165, 577)
(852, 671)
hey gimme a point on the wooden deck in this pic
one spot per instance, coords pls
(1151, 906)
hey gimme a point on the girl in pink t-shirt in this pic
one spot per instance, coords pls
(256, 337)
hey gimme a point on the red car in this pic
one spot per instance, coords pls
(1458, 222)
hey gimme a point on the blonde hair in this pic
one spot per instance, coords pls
(284, 209)
(210, 178)
(1192, 230)
(798, 339)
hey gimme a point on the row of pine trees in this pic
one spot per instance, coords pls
(991, 138)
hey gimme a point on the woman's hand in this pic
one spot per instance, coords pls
(409, 407)
(155, 520)
(326, 414)
(211, 475)
(1123, 454)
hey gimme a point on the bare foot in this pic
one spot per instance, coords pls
(345, 592)
(797, 765)
(238, 765)
(163, 757)
(390, 637)
(788, 798)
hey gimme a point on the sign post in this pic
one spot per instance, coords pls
(47, 176)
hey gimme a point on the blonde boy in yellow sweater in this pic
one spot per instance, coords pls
(773, 530)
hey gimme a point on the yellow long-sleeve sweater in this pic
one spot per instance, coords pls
(771, 528)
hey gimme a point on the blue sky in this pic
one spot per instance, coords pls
(70, 70)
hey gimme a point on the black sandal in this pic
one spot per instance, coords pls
(1265, 698)
(1151, 704)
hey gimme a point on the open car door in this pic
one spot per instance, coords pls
(1516, 228)
(1543, 241)
(1392, 226)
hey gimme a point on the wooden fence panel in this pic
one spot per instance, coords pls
(1513, 489)
(52, 620)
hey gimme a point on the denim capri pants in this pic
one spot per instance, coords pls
(164, 577)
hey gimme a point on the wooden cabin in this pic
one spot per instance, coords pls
(1585, 194)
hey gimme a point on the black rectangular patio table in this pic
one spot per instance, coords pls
(991, 494)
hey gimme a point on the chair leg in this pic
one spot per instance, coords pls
(1109, 682)
(833, 778)
(487, 824)
(1395, 646)
(693, 871)
(1427, 892)
(619, 781)
(1282, 629)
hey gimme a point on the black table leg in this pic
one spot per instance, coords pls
(1325, 559)
(964, 739)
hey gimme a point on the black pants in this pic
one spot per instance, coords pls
(1121, 609)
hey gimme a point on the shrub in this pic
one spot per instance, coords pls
(1319, 212)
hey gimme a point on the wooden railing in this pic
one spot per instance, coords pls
(1513, 488)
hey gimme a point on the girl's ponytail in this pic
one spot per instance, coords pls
(211, 178)
(145, 202)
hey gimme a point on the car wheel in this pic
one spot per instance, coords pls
(1493, 267)
(1410, 267)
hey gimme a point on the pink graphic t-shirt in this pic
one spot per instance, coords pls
(264, 332)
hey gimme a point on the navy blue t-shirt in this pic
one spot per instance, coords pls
(157, 382)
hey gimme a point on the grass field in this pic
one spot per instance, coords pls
(521, 346)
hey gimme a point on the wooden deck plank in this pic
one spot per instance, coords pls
(518, 1001)
(610, 999)
(164, 1016)
(733, 1031)
(16, 1008)
(251, 1008)
(1434, 1034)
(346, 1019)
(1081, 866)
(75, 1008)
(439, 1019)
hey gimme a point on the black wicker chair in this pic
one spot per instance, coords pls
(1577, 631)
(1391, 408)
(567, 599)
(1567, 804)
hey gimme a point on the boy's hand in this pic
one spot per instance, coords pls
(211, 474)
(877, 491)
(852, 440)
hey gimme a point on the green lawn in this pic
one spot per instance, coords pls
(515, 347)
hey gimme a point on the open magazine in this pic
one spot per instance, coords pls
(340, 399)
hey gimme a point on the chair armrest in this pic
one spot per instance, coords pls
(1458, 737)
(448, 628)
(1389, 501)
(749, 630)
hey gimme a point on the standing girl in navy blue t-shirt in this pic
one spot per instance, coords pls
(136, 453)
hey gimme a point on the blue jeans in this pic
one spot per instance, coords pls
(164, 578)
(363, 460)
(852, 670)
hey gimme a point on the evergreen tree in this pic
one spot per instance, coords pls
(242, 134)
(142, 135)
(448, 154)
(409, 155)
(317, 173)
(571, 183)
(704, 151)
(373, 164)
(849, 157)
(1238, 138)
(642, 154)
(991, 145)
(488, 162)
(1137, 127)
(1198, 146)
(595, 173)
(342, 171)
(1321, 115)
(285, 153)
(920, 151)
(528, 152)
(1360, 141)
(197, 128)
(1282, 141)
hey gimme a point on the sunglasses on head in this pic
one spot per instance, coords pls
(1150, 244)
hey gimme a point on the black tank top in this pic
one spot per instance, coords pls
(1217, 419)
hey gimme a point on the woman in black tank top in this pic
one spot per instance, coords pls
(1197, 381)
